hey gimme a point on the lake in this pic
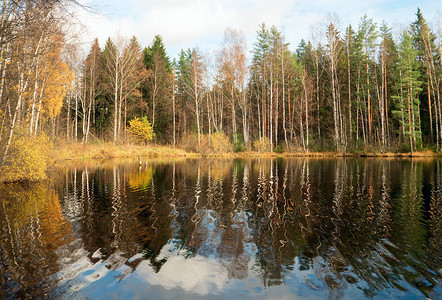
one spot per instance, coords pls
(222, 228)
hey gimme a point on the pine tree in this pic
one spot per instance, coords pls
(183, 81)
(158, 86)
(424, 43)
(368, 35)
(388, 61)
(408, 87)
(260, 69)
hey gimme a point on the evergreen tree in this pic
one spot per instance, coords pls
(424, 43)
(408, 87)
(183, 99)
(157, 46)
(158, 86)
(388, 56)
(261, 51)
(368, 35)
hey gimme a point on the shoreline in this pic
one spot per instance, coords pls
(65, 154)
(78, 151)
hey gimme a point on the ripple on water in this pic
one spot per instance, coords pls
(290, 228)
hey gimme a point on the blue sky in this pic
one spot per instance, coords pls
(199, 23)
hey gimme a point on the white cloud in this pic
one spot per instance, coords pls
(201, 23)
(198, 274)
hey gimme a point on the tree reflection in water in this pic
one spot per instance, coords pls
(301, 227)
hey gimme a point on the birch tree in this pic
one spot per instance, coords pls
(334, 48)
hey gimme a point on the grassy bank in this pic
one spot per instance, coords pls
(30, 157)
(251, 154)
(78, 151)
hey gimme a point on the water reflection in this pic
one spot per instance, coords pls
(327, 228)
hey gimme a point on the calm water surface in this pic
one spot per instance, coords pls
(190, 229)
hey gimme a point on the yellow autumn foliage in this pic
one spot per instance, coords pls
(219, 143)
(23, 200)
(59, 81)
(140, 179)
(262, 146)
(141, 130)
(27, 159)
(2, 124)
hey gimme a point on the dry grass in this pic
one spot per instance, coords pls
(219, 144)
(108, 163)
(324, 154)
(78, 151)
(392, 154)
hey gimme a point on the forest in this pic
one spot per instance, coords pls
(345, 90)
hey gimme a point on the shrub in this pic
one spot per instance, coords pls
(404, 148)
(189, 142)
(219, 143)
(28, 158)
(141, 129)
(262, 146)
(238, 145)
(279, 149)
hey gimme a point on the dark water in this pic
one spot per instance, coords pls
(190, 229)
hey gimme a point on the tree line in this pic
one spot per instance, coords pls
(356, 89)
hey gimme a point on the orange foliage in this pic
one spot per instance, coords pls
(58, 80)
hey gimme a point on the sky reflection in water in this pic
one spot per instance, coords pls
(269, 228)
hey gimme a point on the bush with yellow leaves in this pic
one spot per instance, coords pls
(262, 145)
(141, 130)
(219, 143)
(28, 158)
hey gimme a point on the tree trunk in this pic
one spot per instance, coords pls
(116, 85)
(283, 102)
(350, 127)
(173, 112)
